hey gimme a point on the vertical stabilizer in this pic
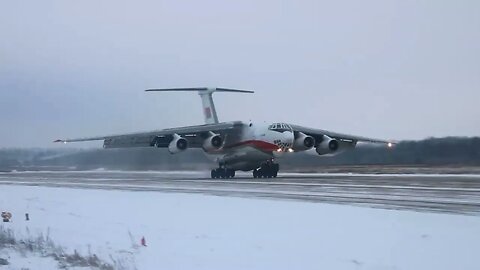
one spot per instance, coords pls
(209, 111)
(208, 106)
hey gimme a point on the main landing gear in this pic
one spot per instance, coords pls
(222, 173)
(267, 170)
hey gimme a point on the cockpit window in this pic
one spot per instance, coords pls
(280, 127)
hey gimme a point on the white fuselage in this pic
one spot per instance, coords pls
(253, 144)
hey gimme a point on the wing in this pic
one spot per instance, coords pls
(319, 133)
(162, 138)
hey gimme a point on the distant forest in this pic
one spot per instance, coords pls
(432, 151)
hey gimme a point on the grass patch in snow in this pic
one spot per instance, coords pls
(43, 246)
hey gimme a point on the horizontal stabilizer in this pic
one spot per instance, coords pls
(233, 90)
(200, 89)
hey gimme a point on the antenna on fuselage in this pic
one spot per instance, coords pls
(209, 111)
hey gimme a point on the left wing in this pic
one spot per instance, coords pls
(319, 133)
(161, 138)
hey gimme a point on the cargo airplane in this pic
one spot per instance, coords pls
(236, 145)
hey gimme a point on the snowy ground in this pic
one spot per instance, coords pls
(19, 261)
(188, 231)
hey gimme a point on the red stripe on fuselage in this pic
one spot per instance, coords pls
(262, 145)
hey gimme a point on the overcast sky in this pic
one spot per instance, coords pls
(389, 69)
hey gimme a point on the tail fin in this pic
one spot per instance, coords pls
(209, 111)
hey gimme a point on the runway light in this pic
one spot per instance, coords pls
(279, 150)
(390, 145)
(290, 150)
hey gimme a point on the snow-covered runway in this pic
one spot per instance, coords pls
(196, 231)
(431, 193)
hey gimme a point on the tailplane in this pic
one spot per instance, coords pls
(209, 111)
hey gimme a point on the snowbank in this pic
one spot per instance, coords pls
(185, 231)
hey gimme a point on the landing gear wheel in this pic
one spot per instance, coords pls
(231, 173)
(275, 168)
(267, 170)
(217, 173)
(222, 173)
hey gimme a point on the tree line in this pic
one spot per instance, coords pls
(431, 151)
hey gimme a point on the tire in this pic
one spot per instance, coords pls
(223, 173)
(275, 168)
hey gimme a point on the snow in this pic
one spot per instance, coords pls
(192, 231)
(18, 261)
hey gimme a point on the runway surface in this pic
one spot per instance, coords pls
(432, 193)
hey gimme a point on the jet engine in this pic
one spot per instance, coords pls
(213, 142)
(333, 146)
(303, 142)
(178, 144)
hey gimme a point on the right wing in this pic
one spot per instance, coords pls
(319, 133)
(162, 138)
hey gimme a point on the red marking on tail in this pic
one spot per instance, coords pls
(208, 112)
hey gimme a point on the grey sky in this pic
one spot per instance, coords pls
(389, 69)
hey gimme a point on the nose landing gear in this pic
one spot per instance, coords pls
(267, 170)
(222, 173)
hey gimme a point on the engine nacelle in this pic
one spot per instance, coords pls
(212, 143)
(178, 144)
(333, 146)
(303, 142)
